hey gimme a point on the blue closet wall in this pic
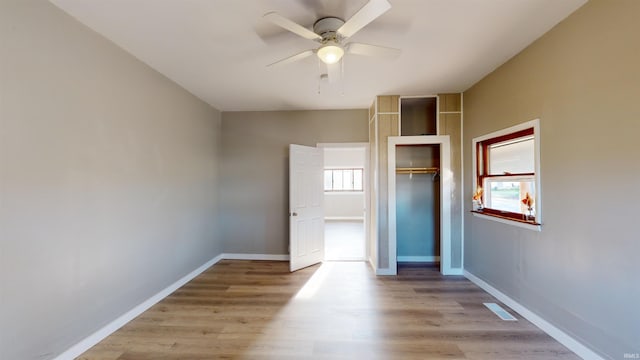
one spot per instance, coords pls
(417, 203)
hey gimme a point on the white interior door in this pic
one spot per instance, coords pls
(306, 218)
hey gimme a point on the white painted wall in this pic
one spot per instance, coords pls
(344, 157)
(344, 205)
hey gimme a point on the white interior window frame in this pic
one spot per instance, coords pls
(349, 191)
(535, 124)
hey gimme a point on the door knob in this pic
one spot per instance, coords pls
(294, 214)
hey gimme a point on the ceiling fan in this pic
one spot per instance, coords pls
(332, 32)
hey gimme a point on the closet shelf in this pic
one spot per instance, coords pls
(417, 170)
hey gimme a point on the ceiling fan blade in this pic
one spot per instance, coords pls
(371, 50)
(369, 12)
(295, 28)
(293, 58)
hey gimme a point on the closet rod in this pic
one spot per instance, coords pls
(418, 170)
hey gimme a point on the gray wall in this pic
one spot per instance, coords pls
(580, 272)
(254, 170)
(107, 181)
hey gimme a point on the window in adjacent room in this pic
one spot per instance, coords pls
(343, 180)
(506, 168)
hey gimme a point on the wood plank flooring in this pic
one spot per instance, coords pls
(337, 310)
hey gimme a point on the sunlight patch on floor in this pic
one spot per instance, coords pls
(312, 286)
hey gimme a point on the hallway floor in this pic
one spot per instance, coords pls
(344, 240)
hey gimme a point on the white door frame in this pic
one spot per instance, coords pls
(446, 178)
(367, 190)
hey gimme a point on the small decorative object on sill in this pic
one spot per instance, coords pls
(477, 199)
(528, 202)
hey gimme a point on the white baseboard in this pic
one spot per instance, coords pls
(91, 340)
(373, 266)
(418, 258)
(272, 257)
(565, 339)
(389, 271)
(386, 271)
(344, 218)
(453, 271)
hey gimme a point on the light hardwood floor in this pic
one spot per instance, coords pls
(337, 310)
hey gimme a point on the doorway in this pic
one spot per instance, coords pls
(345, 196)
(429, 156)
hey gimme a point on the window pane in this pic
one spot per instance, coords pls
(337, 180)
(357, 180)
(507, 195)
(328, 180)
(512, 157)
(343, 179)
(347, 179)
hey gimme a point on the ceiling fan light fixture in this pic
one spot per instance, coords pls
(330, 53)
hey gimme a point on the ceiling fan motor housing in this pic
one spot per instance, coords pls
(327, 28)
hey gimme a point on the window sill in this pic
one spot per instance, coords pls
(529, 225)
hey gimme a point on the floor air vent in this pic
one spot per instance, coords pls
(502, 313)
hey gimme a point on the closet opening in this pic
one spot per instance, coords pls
(418, 203)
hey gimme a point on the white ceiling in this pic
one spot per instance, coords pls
(219, 49)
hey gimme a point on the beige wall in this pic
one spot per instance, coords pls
(384, 124)
(254, 172)
(107, 181)
(582, 79)
(450, 123)
(385, 114)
